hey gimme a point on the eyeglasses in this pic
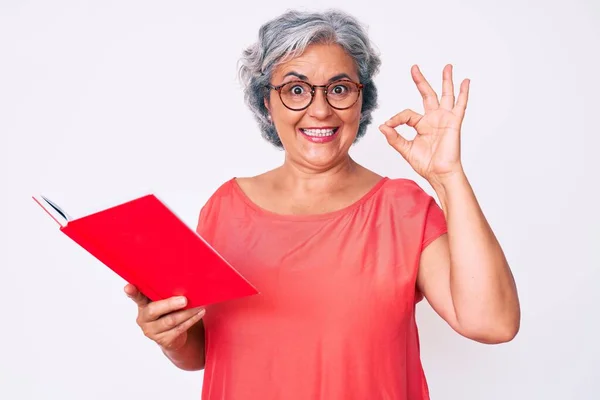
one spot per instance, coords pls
(298, 95)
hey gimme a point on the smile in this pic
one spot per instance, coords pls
(319, 132)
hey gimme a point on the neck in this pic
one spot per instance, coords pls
(299, 178)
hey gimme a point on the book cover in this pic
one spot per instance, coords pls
(147, 245)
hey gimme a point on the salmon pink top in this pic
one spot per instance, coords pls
(335, 317)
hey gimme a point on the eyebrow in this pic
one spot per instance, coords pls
(305, 78)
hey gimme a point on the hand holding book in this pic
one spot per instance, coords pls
(166, 322)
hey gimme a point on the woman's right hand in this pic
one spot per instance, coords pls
(164, 321)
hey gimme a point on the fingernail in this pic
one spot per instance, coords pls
(181, 301)
(201, 312)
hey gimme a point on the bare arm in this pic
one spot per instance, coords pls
(464, 275)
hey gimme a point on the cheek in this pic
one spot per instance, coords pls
(285, 118)
(351, 117)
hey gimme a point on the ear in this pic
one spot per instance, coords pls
(268, 110)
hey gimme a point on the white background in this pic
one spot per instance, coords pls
(102, 101)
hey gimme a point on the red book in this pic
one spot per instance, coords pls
(147, 245)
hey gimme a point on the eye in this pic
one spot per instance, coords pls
(297, 90)
(339, 89)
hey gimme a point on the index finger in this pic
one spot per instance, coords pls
(134, 294)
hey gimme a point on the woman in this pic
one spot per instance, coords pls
(340, 254)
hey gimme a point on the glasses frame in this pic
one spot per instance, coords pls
(313, 88)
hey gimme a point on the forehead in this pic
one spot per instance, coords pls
(319, 62)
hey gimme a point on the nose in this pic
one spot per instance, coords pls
(319, 108)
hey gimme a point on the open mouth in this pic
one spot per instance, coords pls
(319, 132)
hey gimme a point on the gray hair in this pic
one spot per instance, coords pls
(287, 36)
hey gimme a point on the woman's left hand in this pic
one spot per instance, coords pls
(434, 153)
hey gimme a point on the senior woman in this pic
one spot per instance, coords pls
(340, 254)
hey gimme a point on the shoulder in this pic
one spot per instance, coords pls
(405, 190)
(224, 190)
(416, 212)
(219, 201)
(221, 194)
(405, 200)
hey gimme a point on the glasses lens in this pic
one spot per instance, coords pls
(342, 94)
(296, 95)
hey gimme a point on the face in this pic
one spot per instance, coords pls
(320, 136)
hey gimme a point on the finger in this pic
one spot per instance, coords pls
(463, 98)
(159, 308)
(172, 320)
(167, 337)
(430, 98)
(396, 140)
(447, 89)
(134, 294)
(405, 117)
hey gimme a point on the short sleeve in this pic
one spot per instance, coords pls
(203, 218)
(207, 216)
(435, 223)
(435, 226)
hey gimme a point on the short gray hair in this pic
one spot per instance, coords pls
(287, 36)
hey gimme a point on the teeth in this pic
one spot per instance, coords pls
(319, 132)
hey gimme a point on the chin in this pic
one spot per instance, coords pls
(322, 156)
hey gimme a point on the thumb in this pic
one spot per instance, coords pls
(134, 294)
(396, 140)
